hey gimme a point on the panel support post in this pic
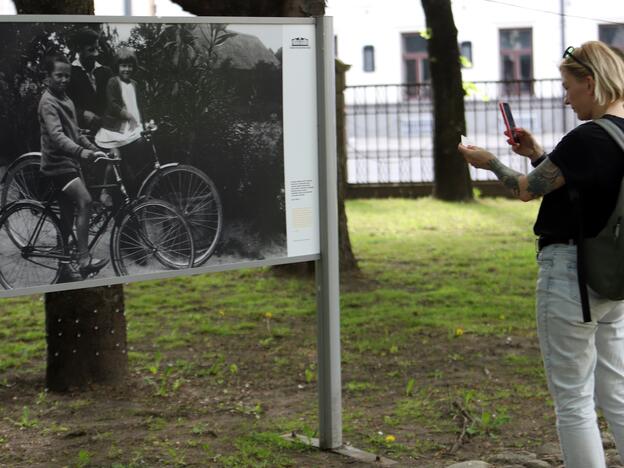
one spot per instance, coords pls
(327, 267)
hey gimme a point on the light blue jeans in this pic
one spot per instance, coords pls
(584, 362)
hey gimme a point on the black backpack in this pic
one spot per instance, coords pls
(600, 262)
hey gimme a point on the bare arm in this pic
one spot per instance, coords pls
(544, 179)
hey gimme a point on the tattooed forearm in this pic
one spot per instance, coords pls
(546, 178)
(506, 175)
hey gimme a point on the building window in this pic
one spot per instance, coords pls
(612, 34)
(516, 54)
(369, 58)
(335, 46)
(416, 65)
(465, 52)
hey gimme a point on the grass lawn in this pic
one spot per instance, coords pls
(437, 338)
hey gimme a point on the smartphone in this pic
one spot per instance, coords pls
(509, 120)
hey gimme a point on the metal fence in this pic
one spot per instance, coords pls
(390, 127)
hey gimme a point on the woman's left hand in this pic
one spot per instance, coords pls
(475, 156)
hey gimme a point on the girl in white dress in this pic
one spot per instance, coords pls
(121, 123)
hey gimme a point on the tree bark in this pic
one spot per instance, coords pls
(54, 7)
(348, 261)
(253, 7)
(85, 329)
(86, 335)
(451, 175)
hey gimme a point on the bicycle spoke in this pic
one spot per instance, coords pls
(192, 192)
(31, 246)
(153, 230)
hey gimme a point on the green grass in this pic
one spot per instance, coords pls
(433, 274)
(438, 261)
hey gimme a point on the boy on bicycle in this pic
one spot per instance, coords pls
(62, 148)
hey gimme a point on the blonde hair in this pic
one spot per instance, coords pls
(607, 68)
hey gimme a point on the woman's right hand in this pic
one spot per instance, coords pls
(527, 145)
(91, 155)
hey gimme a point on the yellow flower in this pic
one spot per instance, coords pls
(390, 438)
(459, 331)
(221, 312)
(268, 315)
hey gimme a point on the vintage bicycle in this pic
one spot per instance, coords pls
(34, 250)
(186, 187)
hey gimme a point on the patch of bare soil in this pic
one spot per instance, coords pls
(224, 389)
(198, 423)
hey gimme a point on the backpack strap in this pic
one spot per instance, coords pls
(613, 130)
(616, 133)
(575, 199)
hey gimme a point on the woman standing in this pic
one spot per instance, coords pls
(584, 361)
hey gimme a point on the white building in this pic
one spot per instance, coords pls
(505, 39)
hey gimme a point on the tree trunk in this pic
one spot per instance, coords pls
(86, 334)
(253, 7)
(348, 261)
(85, 329)
(451, 175)
(54, 7)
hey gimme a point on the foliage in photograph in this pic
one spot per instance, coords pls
(216, 109)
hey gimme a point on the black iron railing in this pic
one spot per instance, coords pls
(390, 127)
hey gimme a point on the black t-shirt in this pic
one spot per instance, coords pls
(593, 163)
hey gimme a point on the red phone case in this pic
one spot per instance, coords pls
(509, 120)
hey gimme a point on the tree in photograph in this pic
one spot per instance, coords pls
(216, 96)
(85, 328)
(451, 175)
(294, 8)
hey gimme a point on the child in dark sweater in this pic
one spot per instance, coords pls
(62, 147)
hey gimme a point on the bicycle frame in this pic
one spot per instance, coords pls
(147, 136)
(35, 234)
(111, 213)
(158, 167)
(65, 256)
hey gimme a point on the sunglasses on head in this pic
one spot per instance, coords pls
(569, 53)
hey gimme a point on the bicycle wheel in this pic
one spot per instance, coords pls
(35, 258)
(151, 229)
(25, 181)
(193, 193)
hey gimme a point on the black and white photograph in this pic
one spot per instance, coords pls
(133, 148)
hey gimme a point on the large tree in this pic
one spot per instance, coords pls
(289, 8)
(85, 328)
(451, 175)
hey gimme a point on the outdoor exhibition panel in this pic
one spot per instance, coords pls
(234, 108)
(233, 164)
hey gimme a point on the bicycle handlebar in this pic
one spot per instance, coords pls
(106, 158)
